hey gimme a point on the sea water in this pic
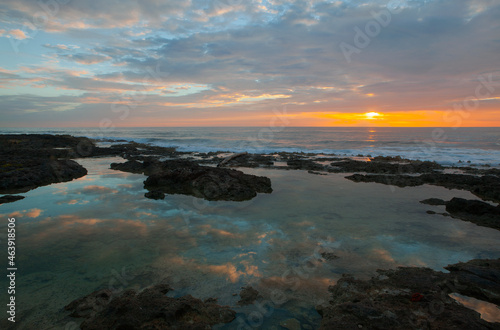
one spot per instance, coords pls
(444, 145)
(100, 231)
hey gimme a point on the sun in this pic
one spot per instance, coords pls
(372, 115)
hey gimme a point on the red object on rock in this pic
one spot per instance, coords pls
(416, 297)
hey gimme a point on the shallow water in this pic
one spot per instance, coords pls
(101, 232)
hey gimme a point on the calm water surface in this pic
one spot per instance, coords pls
(101, 232)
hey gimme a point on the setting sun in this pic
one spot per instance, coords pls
(372, 115)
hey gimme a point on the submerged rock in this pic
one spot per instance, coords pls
(413, 298)
(189, 178)
(248, 296)
(10, 198)
(148, 309)
(433, 201)
(486, 187)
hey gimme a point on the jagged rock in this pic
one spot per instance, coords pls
(433, 201)
(329, 256)
(10, 198)
(304, 164)
(155, 194)
(486, 187)
(148, 309)
(385, 165)
(90, 305)
(412, 298)
(27, 174)
(291, 324)
(248, 296)
(188, 178)
(478, 278)
(481, 213)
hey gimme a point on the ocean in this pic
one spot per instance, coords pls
(99, 231)
(448, 146)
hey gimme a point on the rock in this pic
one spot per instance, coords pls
(248, 296)
(412, 298)
(211, 183)
(10, 198)
(291, 324)
(32, 173)
(478, 278)
(433, 201)
(478, 212)
(189, 178)
(385, 165)
(486, 187)
(148, 309)
(304, 164)
(329, 256)
(90, 305)
(155, 194)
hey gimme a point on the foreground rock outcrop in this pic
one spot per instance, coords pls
(413, 298)
(486, 187)
(23, 174)
(478, 212)
(28, 161)
(148, 309)
(189, 178)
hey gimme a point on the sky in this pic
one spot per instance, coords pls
(125, 63)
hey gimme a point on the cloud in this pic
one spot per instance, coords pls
(254, 56)
(61, 47)
(94, 189)
(16, 34)
(86, 58)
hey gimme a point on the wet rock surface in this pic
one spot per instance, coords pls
(486, 187)
(248, 295)
(478, 212)
(433, 201)
(10, 198)
(189, 178)
(28, 161)
(413, 298)
(481, 213)
(148, 309)
(385, 165)
(479, 278)
(22, 174)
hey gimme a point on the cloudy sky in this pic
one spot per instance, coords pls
(245, 62)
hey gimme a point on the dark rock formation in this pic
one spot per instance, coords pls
(251, 160)
(481, 213)
(304, 164)
(248, 296)
(486, 187)
(189, 178)
(478, 278)
(329, 256)
(90, 305)
(10, 198)
(413, 298)
(148, 309)
(155, 194)
(382, 165)
(21, 175)
(433, 201)
(45, 146)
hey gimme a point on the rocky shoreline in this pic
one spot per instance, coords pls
(397, 299)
